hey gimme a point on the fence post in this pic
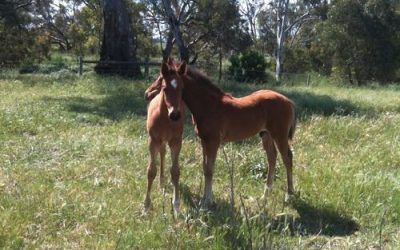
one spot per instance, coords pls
(80, 65)
(308, 79)
(146, 68)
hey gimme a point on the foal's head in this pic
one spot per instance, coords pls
(172, 86)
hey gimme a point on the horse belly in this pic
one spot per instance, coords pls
(243, 126)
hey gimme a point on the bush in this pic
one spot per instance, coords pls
(235, 69)
(51, 68)
(249, 66)
(296, 60)
(28, 69)
(55, 65)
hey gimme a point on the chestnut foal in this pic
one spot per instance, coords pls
(220, 117)
(164, 125)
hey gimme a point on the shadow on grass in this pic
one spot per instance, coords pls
(316, 221)
(121, 97)
(237, 231)
(221, 220)
(115, 106)
(308, 104)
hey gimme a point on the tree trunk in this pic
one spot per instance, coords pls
(349, 74)
(174, 28)
(281, 16)
(279, 62)
(220, 66)
(117, 55)
(168, 46)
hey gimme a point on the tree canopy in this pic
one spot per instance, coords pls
(358, 40)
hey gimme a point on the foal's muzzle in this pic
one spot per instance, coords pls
(175, 115)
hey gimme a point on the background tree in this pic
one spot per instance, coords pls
(220, 23)
(364, 36)
(171, 18)
(282, 19)
(118, 49)
(21, 40)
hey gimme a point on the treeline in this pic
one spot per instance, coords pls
(358, 40)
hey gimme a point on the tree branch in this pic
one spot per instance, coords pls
(301, 18)
(23, 5)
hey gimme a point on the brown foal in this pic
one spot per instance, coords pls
(164, 125)
(220, 117)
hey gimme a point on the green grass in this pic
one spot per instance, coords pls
(73, 158)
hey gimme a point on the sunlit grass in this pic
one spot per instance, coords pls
(73, 158)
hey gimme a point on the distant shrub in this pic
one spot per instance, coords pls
(28, 69)
(235, 69)
(51, 68)
(296, 61)
(63, 74)
(248, 66)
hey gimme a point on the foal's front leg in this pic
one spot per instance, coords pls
(175, 146)
(154, 148)
(210, 149)
(162, 162)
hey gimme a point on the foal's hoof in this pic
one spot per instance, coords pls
(176, 208)
(290, 198)
(264, 197)
(162, 185)
(207, 204)
(147, 206)
(263, 200)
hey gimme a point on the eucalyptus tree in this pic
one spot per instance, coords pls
(118, 49)
(365, 38)
(171, 18)
(281, 19)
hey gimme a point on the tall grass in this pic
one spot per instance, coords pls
(73, 157)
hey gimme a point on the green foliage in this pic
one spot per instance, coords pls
(364, 38)
(321, 58)
(19, 42)
(56, 64)
(296, 60)
(142, 31)
(248, 66)
(28, 69)
(220, 22)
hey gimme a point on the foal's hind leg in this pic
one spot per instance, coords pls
(154, 148)
(175, 146)
(270, 149)
(287, 157)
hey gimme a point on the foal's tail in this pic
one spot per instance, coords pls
(293, 125)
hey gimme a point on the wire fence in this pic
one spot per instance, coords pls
(150, 69)
(122, 66)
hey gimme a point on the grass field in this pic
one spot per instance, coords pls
(73, 158)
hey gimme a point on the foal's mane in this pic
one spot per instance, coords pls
(204, 80)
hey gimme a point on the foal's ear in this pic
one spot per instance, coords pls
(164, 69)
(182, 68)
(149, 95)
(153, 89)
(170, 61)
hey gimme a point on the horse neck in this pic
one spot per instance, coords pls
(200, 99)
